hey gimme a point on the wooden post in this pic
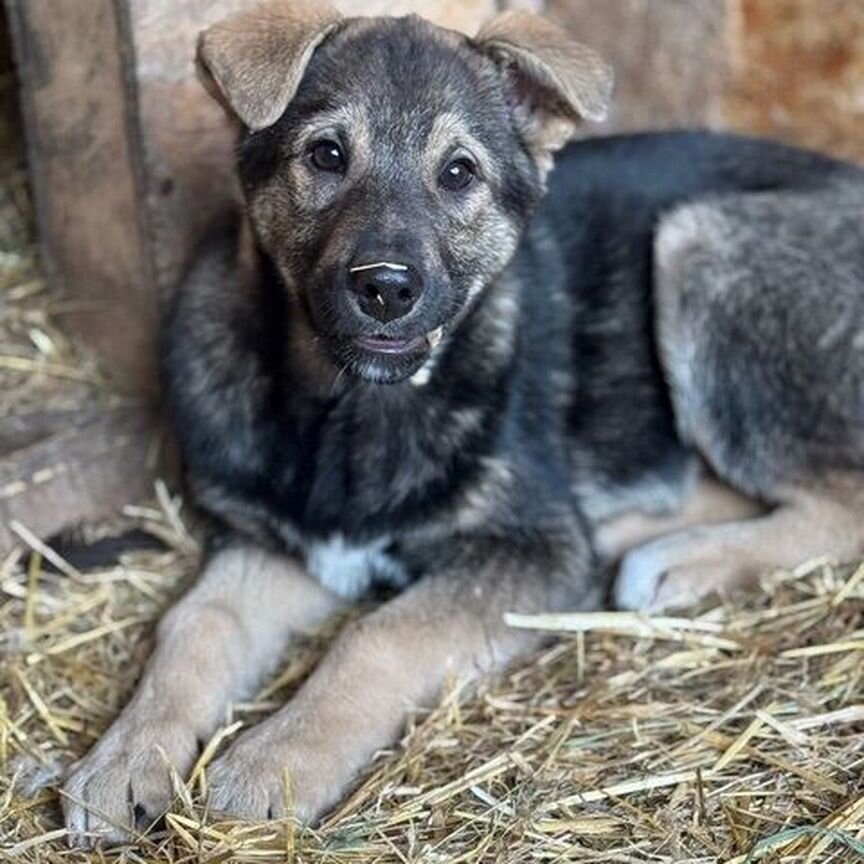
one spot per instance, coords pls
(58, 469)
(83, 143)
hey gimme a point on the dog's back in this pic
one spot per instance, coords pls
(590, 257)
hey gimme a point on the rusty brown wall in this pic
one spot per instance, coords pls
(791, 69)
(796, 71)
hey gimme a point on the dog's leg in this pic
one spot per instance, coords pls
(213, 646)
(681, 567)
(396, 658)
(765, 376)
(709, 501)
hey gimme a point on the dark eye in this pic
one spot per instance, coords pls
(457, 175)
(327, 156)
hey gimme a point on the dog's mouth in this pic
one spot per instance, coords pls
(385, 359)
(394, 346)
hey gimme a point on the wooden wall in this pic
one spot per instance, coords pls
(796, 71)
(789, 69)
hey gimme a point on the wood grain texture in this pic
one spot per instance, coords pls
(186, 139)
(797, 72)
(786, 69)
(82, 139)
(70, 468)
(669, 58)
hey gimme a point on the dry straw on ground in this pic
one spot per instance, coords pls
(40, 368)
(733, 734)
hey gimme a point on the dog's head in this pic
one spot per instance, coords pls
(390, 165)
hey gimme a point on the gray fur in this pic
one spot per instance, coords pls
(760, 317)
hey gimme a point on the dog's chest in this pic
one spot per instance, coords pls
(349, 569)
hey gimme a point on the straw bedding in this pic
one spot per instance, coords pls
(734, 734)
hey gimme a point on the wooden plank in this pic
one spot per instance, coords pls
(186, 138)
(82, 133)
(74, 468)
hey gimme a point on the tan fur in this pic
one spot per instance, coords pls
(257, 58)
(212, 647)
(292, 192)
(326, 124)
(680, 567)
(566, 81)
(394, 660)
(449, 130)
(709, 500)
(230, 629)
(708, 265)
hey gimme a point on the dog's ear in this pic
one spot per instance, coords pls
(555, 81)
(256, 59)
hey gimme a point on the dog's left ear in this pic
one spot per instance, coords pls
(256, 58)
(555, 81)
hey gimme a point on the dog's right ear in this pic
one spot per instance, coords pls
(256, 59)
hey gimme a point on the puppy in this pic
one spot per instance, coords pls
(434, 366)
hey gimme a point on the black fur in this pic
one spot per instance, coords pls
(577, 401)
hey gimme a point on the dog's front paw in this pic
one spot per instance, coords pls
(124, 783)
(249, 780)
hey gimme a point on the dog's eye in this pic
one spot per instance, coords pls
(327, 156)
(457, 175)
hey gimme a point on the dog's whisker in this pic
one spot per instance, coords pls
(334, 387)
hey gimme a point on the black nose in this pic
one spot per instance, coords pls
(385, 292)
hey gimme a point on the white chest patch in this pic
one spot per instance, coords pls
(348, 570)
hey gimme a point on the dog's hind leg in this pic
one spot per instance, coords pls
(212, 647)
(681, 567)
(760, 316)
(708, 500)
